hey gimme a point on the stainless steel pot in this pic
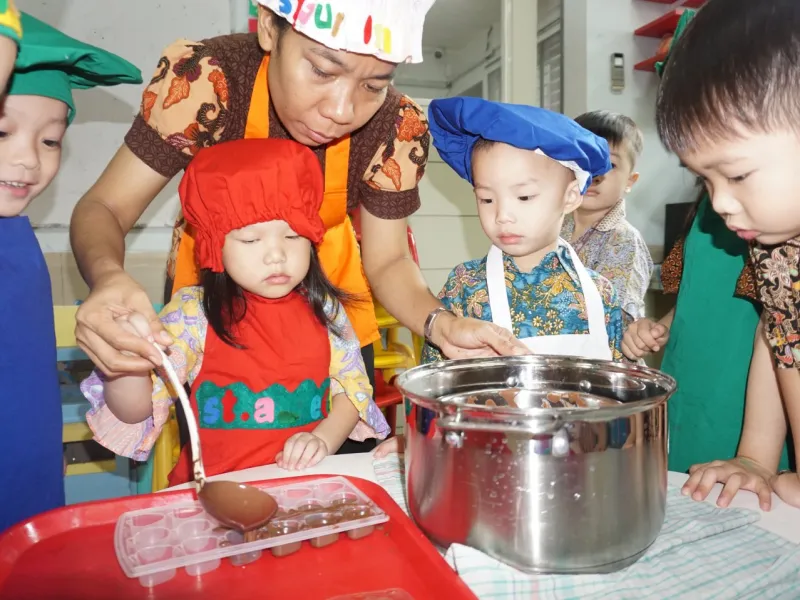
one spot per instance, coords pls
(549, 464)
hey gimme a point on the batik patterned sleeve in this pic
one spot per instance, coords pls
(777, 280)
(183, 318)
(349, 376)
(184, 108)
(615, 316)
(672, 268)
(390, 183)
(627, 264)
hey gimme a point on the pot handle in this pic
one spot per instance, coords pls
(538, 426)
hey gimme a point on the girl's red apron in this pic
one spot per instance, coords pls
(339, 252)
(248, 401)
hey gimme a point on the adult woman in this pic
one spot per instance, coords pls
(323, 78)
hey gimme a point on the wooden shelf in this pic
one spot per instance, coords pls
(662, 26)
(650, 63)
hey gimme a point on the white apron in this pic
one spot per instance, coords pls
(592, 345)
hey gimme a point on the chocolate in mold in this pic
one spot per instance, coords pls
(360, 532)
(324, 540)
(499, 398)
(344, 499)
(319, 520)
(307, 506)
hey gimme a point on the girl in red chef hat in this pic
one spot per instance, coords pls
(273, 364)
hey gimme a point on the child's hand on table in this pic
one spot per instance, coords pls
(395, 444)
(736, 474)
(301, 451)
(644, 337)
(787, 486)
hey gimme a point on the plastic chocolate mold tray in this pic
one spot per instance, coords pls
(152, 544)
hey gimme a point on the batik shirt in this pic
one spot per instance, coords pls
(777, 270)
(615, 249)
(546, 301)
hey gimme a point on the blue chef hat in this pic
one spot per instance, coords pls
(457, 123)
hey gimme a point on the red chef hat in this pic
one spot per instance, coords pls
(235, 184)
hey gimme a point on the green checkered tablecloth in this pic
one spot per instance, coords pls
(703, 552)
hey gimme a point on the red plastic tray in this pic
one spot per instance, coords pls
(68, 554)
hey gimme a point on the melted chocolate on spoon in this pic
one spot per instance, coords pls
(237, 505)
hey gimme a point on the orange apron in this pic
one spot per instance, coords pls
(339, 253)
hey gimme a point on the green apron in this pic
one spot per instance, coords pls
(710, 346)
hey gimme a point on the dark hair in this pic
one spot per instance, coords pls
(482, 144)
(616, 129)
(281, 27)
(702, 192)
(225, 304)
(737, 63)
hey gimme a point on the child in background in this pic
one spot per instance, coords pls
(604, 240)
(274, 365)
(529, 167)
(34, 120)
(728, 108)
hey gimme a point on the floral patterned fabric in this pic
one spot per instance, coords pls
(185, 321)
(546, 301)
(777, 271)
(616, 250)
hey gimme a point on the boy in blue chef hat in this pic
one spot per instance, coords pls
(33, 120)
(529, 168)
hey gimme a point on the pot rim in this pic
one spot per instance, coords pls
(501, 413)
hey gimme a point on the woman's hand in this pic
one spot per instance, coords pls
(737, 474)
(644, 337)
(471, 338)
(114, 349)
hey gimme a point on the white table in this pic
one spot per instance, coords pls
(782, 520)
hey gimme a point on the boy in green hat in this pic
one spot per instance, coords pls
(33, 121)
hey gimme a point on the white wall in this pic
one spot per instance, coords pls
(428, 79)
(594, 29)
(104, 114)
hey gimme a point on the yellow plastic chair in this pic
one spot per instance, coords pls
(167, 448)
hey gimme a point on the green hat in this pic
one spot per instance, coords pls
(52, 64)
(687, 16)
